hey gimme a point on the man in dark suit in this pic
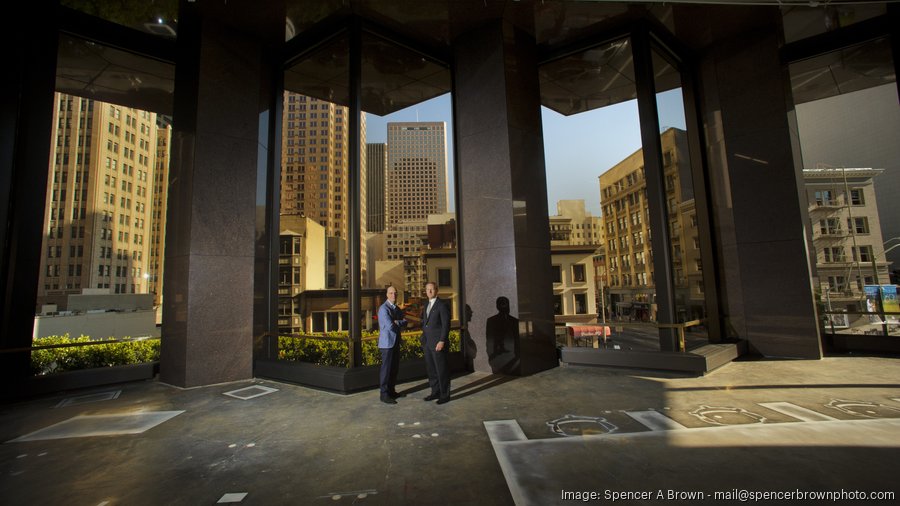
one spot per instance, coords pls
(390, 321)
(436, 344)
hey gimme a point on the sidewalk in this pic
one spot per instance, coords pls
(757, 425)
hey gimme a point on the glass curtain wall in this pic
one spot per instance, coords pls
(680, 202)
(600, 238)
(100, 282)
(593, 120)
(313, 313)
(847, 119)
(406, 227)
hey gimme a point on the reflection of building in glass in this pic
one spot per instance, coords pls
(629, 254)
(314, 175)
(100, 202)
(846, 231)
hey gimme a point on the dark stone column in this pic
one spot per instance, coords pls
(504, 225)
(26, 118)
(221, 76)
(755, 177)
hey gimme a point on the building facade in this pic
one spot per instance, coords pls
(846, 232)
(376, 164)
(574, 226)
(629, 261)
(416, 172)
(301, 267)
(314, 175)
(99, 219)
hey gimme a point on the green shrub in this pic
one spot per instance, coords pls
(309, 348)
(52, 360)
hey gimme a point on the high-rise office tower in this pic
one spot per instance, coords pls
(154, 274)
(314, 176)
(315, 152)
(416, 172)
(376, 163)
(98, 217)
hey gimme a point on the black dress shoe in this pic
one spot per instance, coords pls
(430, 397)
(444, 400)
(388, 400)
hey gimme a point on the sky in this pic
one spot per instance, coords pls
(577, 148)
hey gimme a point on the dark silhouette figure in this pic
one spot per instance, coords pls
(470, 348)
(502, 336)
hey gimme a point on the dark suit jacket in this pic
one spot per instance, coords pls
(436, 326)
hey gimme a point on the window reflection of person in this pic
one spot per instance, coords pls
(502, 335)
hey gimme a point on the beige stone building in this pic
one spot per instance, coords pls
(573, 225)
(629, 270)
(301, 267)
(99, 220)
(574, 287)
(155, 270)
(846, 233)
(314, 175)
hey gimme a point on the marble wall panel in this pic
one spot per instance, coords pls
(224, 206)
(220, 316)
(502, 178)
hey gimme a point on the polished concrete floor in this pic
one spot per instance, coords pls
(749, 428)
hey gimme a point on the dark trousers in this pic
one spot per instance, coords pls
(438, 371)
(390, 366)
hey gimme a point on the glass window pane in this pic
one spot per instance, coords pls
(314, 215)
(413, 237)
(104, 225)
(684, 234)
(600, 244)
(851, 177)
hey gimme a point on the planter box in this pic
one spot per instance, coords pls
(71, 380)
(696, 362)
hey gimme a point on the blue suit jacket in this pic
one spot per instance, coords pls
(389, 332)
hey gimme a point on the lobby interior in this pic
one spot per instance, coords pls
(220, 69)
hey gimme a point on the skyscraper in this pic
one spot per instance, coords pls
(154, 274)
(314, 176)
(98, 222)
(416, 172)
(314, 180)
(376, 163)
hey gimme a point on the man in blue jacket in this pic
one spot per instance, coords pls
(436, 344)
(390, 321)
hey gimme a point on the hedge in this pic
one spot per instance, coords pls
(311, 348)
(52, 360)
